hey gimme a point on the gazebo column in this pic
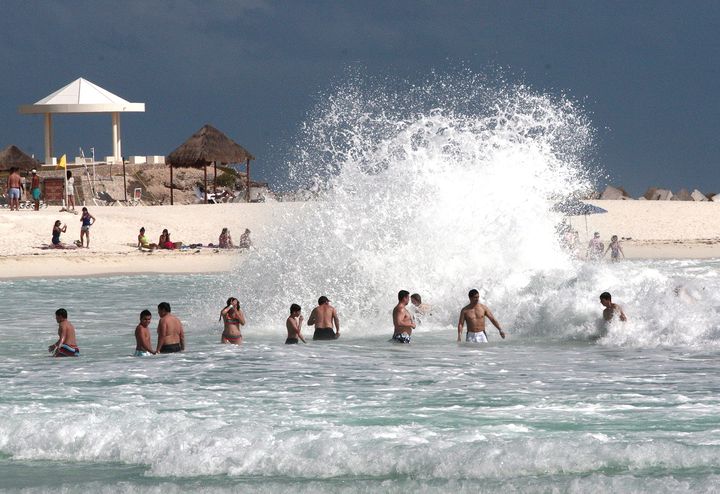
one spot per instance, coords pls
(205, 188)
(117, 136)
(247, 177)
(48, 138)
(171, 185)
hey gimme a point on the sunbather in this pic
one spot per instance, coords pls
(57, 230)
(225, 240)
(144, 242)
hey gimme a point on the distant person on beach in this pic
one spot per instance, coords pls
(171, 337)
(70, 193)
(35, 189)
(57, 230)
(595, 248)
(143, 344)
(164, 242)
(323, 317)
(245, 242)
(611, 309)
(615, 249)
(474, 315)
(417, 309)
(66, 345)
(14, 189)
(403, 323)
(233, 318)
(225, 240)
(86, 221)
(144, 241)
(294, 326)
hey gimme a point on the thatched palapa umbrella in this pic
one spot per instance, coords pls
(209, 146)
(13, 157)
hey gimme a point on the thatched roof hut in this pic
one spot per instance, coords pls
(208, 146)
(13, 157)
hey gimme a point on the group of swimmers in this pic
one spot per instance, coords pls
(324, 317)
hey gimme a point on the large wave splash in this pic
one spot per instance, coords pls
(435, 189)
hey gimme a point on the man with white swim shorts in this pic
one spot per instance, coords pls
(474, 315)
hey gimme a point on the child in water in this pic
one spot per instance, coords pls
(294, 325)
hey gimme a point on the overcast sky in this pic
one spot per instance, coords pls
(646, 73)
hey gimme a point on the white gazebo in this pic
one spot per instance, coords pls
(82, 96)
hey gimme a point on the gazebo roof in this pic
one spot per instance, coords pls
(208, 145)
(13, 156)
(82, 96)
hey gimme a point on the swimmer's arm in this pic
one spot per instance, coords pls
(336, 320)
(623, 317)
(241, 317)
(461, 323)
(313, 316)
(494, 321)
(162, 331)
(182, 338)
(61, 339)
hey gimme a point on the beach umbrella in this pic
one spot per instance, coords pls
(575, 207)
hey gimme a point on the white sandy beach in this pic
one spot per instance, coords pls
(655, 229)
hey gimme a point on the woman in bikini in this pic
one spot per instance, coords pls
(233, 318)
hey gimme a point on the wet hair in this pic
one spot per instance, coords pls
(230, 301)
(605, 296)
(402, 294)
(164, 306)
(294, 307)
(323, 300)
(472, 293)
(145, 313)
(62, 313)
(416, 296)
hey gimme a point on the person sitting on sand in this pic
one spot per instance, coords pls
(615, 249)
(233, 318)
(294, 325)
(225, 240)
(87, 220)
(57, 230)
(143, 241)
(245, 242)
(611, 309)
(143, 344)
(66, 345)
(164, 242)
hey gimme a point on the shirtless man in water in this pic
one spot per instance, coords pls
(323, 317)
(474, 315)
(143, 345)
(66, 345)
(611, 309)
(403, 323)
(171, 337)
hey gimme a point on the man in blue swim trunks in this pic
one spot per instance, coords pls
(403, 323)
(474, 315)
(14, 189)
(66, 345)
(35, 189)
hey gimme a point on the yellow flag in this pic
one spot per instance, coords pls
(62, 162)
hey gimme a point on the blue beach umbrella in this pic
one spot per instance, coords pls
(575, 207)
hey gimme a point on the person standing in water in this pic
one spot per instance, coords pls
(66, 345)
(233, 318)
(323, 317)
(403, 323)
(474, 315)
(611, 309)
(143, 344)
(615, 249)
(171, 337)
(294, 326)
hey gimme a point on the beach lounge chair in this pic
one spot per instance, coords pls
(109, 200)
(201, 195)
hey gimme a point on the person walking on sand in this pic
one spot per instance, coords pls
(611, 310)
(14, 189)
(35, 189)
(66, 345)
(595, 248)
(86, 220)
(474, 315)
(294, 326)
(403, 323)
(233, 318)
(323, 317)
(143, 344)
(615, 249)
(171, 337)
